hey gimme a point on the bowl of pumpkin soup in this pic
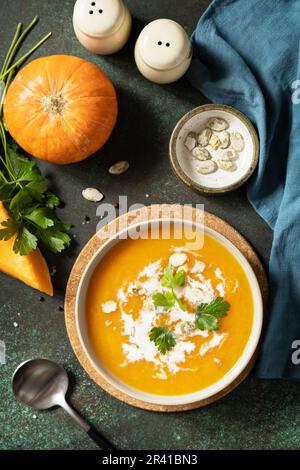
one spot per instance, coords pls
(167, 321)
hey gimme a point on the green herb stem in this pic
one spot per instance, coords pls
(17, 42)
(11, 49)
(25, 56)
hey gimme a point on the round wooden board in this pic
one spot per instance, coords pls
(161, 211)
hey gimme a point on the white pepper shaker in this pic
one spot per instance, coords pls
(163, 51)
(102, 26)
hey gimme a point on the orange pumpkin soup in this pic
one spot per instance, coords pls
(168, 320)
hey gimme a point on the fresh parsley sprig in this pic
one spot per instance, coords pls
(170, 280)
(208, 315)
(163, 338)
(23, 189)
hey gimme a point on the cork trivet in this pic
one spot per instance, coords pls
(161, 211)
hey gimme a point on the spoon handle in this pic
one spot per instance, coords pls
(100, 440)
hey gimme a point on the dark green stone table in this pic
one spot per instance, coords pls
(257, 415)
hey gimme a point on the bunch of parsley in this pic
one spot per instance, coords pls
(207, 315)
(23, 189)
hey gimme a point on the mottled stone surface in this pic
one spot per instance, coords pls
(259, 414)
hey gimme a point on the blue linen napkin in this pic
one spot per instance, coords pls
(246, 54)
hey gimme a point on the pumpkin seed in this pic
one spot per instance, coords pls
(186, 328)
(209, 166)
(191, 141)
(92, 194)
(226, 165)
(119, 168)
(229, 154)
(237, 141)
(214, 141)
(224, 138)
(204, 137)
(201, 153)
(217, 124)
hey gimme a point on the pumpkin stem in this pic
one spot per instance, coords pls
(54, 104)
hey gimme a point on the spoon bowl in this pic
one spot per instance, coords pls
(42, 384)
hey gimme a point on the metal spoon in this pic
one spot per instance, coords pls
(42, 384)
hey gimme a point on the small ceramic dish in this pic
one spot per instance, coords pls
(165, 402)
(220, 181)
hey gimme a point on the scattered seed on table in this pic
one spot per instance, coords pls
(86, 220)
(92, 195)
(60, 309)
(119, 168)
(15, 324)
(42, 299)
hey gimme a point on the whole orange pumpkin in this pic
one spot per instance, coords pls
(61, 108)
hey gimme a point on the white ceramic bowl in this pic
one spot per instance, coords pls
(221, 181)
(169, 400)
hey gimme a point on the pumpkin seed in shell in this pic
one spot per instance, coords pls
(218, 124)
(204, 137)
(119, 168)
(201, 153)
(224, 138)
(191, 141)
(207, 167)
(229, 154)
(92, 194)
(214, 141)
(227, 165)
(237, 141)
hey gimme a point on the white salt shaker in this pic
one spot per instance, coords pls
(102, 26)
(163, 51)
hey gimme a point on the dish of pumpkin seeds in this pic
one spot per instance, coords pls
(215, 146)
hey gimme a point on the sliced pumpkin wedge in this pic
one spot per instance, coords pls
(31, 269)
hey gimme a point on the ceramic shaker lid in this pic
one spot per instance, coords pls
(164, 44)
(99, 17)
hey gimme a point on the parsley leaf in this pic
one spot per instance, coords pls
(179, 278)
(56, 240)
(25, 242)
(208, 315)
(207, 322)
(163, 338)
(6, 191)
(170, 280)
(23, 168)
(10, 228)
(40, 216)
(166, 299)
